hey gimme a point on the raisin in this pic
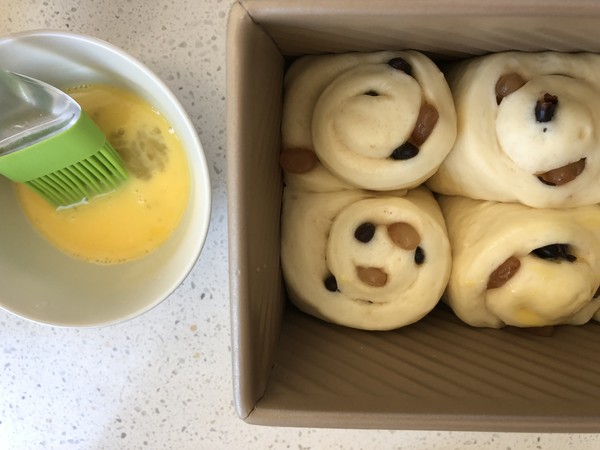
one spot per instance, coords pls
(504, 272)
(419, 256)
(298, 160)
(507, 84)
(372, 276)
(554, 252)
(365, 232)
(404, 235)
(331, 283)
(405, 151)
(562, 175)
(401, 64)
(546, 107)
(428, 117)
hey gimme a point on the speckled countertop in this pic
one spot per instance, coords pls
(163, 380)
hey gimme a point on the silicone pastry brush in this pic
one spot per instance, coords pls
(48, 143)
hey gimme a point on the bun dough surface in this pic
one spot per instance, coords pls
(536, 143)
(354, 110)
(515, 265)
(366, 260)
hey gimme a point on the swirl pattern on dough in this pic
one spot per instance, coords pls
(380, 121)
(362, 259)
(520, 266)
(528, 130)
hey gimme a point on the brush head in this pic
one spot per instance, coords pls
(69, 167)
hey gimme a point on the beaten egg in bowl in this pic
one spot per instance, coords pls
(140, 215)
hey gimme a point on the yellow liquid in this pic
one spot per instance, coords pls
(141, 214)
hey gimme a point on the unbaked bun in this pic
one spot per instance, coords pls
(522, 266)
(528, 130)
(366, 260)
(379, 121)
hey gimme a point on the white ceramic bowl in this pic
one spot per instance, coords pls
(39, 282)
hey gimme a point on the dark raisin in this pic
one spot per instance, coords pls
(555, 251)
(546, 107)
(365, 232)
(372, 93)
(597, 294)
(331, 283)
(401, 64)
(405, 151)
(419, 256)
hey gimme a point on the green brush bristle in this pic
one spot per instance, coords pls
(69, 167)
(97, 174)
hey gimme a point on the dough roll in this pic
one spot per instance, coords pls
(367, 260)
(379, 121)
(528, 130)
(520, 266)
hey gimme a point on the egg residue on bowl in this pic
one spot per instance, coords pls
(139, 216)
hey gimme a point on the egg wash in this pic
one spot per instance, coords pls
(140, 215)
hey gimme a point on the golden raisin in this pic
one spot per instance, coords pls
(428, 117)
(298, 160)
(562, 175)
(372, 276)
(504, 272)
(404, 235)
(507, 84)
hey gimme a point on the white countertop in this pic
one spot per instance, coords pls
(163, 380)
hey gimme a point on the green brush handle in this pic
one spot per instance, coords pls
(68, 147)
